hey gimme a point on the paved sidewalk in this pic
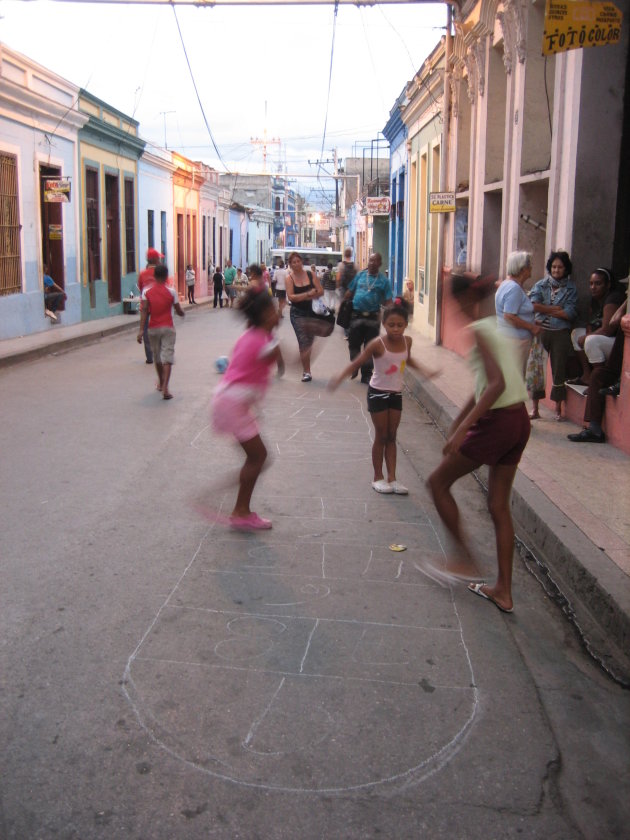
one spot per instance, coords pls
(571, 501)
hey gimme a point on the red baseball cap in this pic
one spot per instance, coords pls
(152, 254)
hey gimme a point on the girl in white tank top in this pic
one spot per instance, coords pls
(390, 354)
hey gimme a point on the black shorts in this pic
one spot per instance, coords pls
(383, 400)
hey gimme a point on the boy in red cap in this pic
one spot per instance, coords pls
(158, 302)
(145, 280)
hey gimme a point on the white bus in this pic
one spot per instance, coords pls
(319, 257)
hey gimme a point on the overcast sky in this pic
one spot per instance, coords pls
(255, 69)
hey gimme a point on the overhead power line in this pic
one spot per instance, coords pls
(203, 113)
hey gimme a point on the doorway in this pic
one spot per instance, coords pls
(51, 216)
(112, 217)
(181, 251)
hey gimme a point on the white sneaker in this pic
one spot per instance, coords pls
(382, 486)
(398, 488)
(51, 315)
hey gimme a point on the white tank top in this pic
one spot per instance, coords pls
(388, 370)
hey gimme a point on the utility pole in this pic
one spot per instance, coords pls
(164, 113)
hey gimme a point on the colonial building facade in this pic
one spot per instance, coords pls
(39, 121)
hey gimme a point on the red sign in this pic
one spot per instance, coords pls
(378, 205)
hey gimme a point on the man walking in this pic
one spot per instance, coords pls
(228, 277)
(158, 302)
(370, 290)
(217, 285)
(145, 280)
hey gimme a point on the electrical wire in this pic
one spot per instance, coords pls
(332, 54)
(203, 113)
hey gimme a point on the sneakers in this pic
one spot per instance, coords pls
(50, 314)
(306, 377)
(252, 522)
(398, 488)
(382, 486)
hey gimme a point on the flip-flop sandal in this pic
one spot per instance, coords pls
(441, 576)
(475, 588)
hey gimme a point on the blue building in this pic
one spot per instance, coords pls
(395, 132)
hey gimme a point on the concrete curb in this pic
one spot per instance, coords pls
(52, 344)
(597, 589)
(61, 345)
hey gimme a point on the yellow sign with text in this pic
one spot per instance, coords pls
(572, 24)
(441, 202)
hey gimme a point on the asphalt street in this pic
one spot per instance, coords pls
(163, 677)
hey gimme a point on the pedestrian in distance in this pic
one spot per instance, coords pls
(53, 296)
(242, 387)
(145, 280)
(157, 304)
(345, 274)
(303, 287)
(217, 285)
(229, 277)
(390, 354)
(280, 289)
(330, 287)
(492, 428)
(190, 284)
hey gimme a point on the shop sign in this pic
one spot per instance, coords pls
(57, 190)
(378, 205)
(54, 232)
(571, 24)
(442, 202)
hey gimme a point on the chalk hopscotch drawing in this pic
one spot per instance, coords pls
(320, 663)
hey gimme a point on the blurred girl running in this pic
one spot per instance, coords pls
(243, 385)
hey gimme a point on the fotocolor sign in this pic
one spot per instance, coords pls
(571, 24)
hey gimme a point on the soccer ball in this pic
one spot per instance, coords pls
(221, 364)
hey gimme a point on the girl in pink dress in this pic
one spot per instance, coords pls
(242, 387)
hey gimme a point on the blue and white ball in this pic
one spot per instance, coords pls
(221, 364)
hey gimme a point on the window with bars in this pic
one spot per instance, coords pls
(10, 259)
(92, 224)
(130, 224)
(163, 233)
(150, 229)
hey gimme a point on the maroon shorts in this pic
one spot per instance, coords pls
(499, 437)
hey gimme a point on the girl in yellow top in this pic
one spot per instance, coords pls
(492, 428)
